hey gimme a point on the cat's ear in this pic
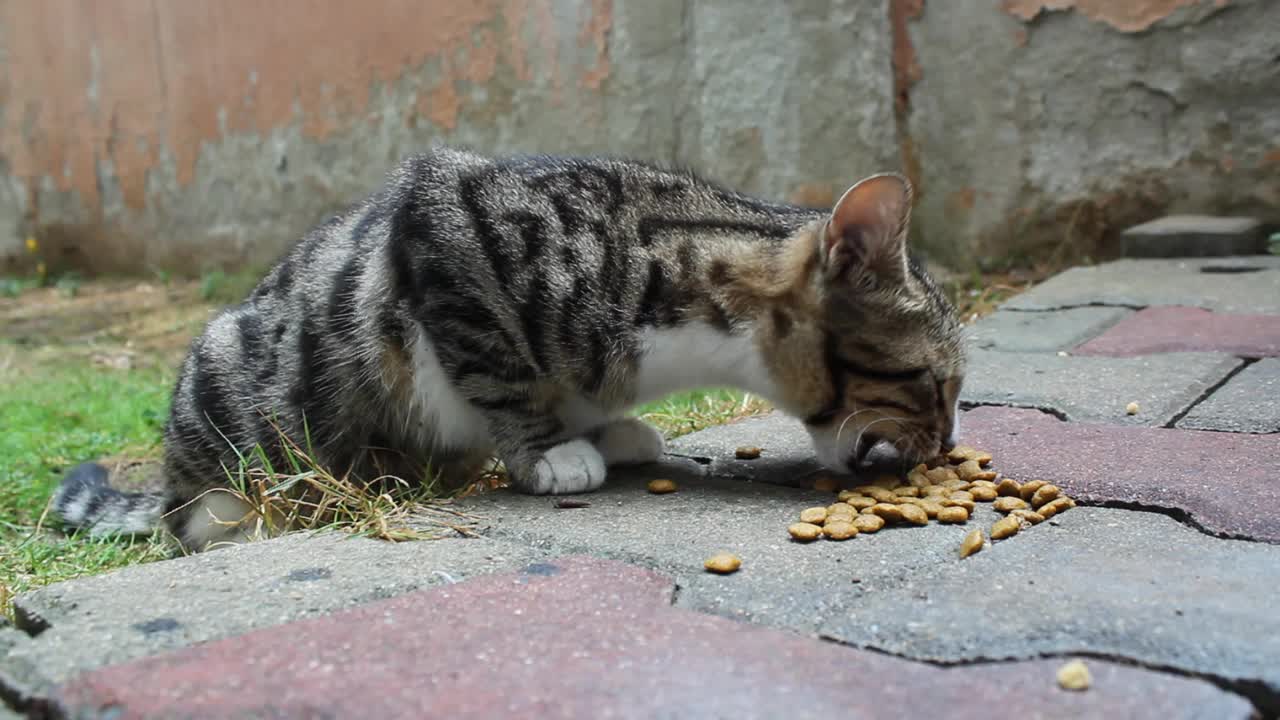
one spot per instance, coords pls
(865, 240)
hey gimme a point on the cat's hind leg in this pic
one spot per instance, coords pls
(629, 441)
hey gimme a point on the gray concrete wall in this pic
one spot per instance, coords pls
(187, 136)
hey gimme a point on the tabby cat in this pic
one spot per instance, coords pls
(518, 307)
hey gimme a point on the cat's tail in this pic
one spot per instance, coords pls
(86, 501)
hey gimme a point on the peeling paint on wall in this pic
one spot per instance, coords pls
(93, 88)
(1129, 16)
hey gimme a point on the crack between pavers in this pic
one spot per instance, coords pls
(1177, 515)
(1245, 362)
(1075, 306)
(969, 405)
(1265, 701)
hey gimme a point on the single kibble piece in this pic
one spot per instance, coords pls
(840, 510)
(868, 523)
(659, 487)
(961, 495)
(724, 563)
(1005, 527)
(880, 494)
(982, 458)
(968, 505)
(887, 481)
(969, 470)
(890, 513)
(865, 489)
(860, 503)
(846, 494)
(826, 483)
(918, 479)
(747, 452)
(805, 532)
(1053, 507)
(972, 543)
(960, 453)
(1074, 676)
(1044, 494)
(814, 514)
(906, 491)
(982, 493)
(953, 514)
(937, 491)
(1030, 517)
(1008, 487)
(982, 483)
(1132, 408)
(1028, 489)
(940, 475)
(914, 514)
(842, 530)
(931, 508)
(956, 484)
(1009, 504)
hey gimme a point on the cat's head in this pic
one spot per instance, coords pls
(875, 364)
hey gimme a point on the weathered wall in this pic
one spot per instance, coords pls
(186, 135)
(1044, 125)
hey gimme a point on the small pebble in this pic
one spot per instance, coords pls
(1132, 408)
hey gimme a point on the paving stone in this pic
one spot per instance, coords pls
(1194, 236)
(140, 610)
(787, 452)
(1049, 331)
(1224, 482)
(1247, 403)
(1087, 388)
(1187, 329)
(1099, 581)
(581, 638)
(1245, 284)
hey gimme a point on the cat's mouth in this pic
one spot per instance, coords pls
(876, 453)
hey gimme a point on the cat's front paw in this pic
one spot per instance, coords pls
(630, 441)
(570, 467)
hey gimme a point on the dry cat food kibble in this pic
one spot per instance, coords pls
(804, 531)
(972, 543)
(947, 489)
(724, 563)
(813, 515)
(1074, 676)
(747, 453)
(1132, 408)
(659, 487)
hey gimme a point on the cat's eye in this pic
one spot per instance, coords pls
(909, 375)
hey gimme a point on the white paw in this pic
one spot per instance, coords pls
(570, 467)
(630, 441)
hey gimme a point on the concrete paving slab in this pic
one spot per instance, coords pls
(1084, 388)
(1243, 284)
(786, 456)
(1247, 403)
(582, 638)
(1098, 581)
(144, 609)
(1194, 236)
(1187, 329)
(1224, 482)
(1048, 331)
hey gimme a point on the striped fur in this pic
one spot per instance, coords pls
(519, 307)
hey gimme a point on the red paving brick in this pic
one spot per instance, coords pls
(1228, 483)
(584, 638)
(1187, 329)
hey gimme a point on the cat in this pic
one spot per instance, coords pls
(518, 307)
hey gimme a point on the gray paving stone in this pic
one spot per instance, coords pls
(144, 609)
(1122, 583)
(1093, 388)
(1099, 581)
(787, 456)
(1248, 403)
(1194, 236)
(1242, 284)
(1048, 331)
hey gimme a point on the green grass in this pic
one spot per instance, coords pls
(54, 418)
(687, 412)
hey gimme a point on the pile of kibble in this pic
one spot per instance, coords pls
(946, 493)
